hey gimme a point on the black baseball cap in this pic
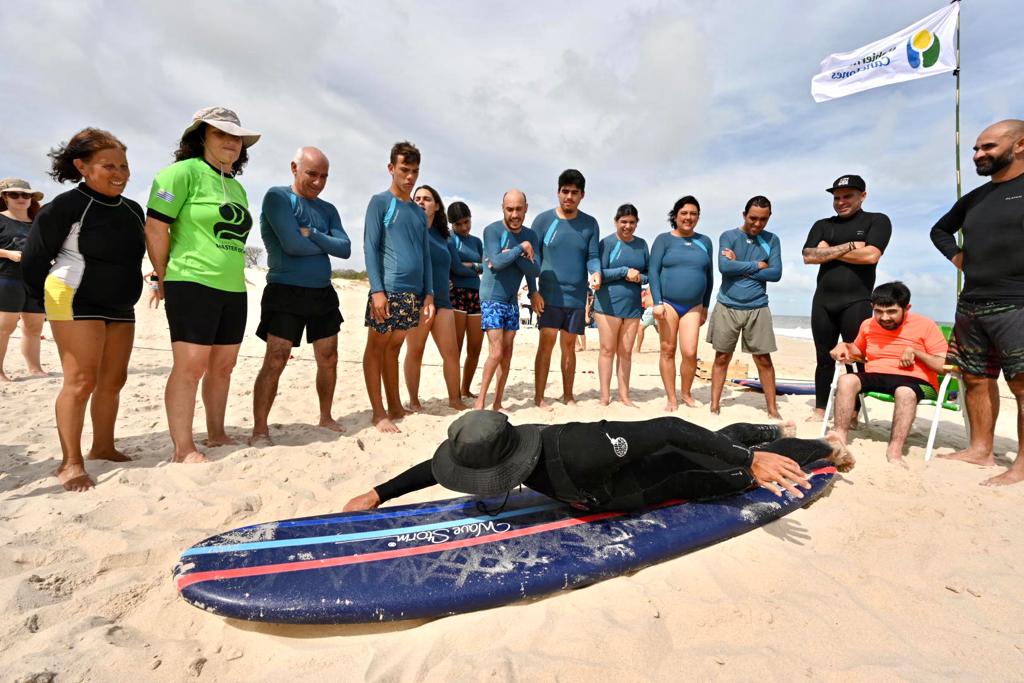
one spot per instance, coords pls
(847, 181)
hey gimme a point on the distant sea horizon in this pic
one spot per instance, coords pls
(799, 326)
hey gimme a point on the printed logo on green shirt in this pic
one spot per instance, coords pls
(236, 224)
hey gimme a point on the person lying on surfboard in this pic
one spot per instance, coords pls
(618, 466)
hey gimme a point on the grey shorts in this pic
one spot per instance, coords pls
(726, 324)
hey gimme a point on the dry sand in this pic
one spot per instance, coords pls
(899, 574)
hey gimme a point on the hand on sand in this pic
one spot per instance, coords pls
(776, 472)
(366, 501)
(74, 478)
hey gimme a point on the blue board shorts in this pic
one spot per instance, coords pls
(572, 320)
(498, 315)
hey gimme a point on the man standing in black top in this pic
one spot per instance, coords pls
(988, 334)
(847, 246)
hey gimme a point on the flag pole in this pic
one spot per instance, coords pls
(959, 189)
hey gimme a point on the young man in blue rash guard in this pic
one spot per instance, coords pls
(301, 232)
(570, 261)
(510, 252)
(398, 265)
(749, 258)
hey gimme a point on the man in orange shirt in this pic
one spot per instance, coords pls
(903, 354)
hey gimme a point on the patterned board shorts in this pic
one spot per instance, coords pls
(496, 315)
(465, 299)
(405, 312)
(988, 337)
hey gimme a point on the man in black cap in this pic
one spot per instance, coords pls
(847, 248)
(619, 466)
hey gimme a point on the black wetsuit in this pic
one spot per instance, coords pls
(631, 465)
(842, 300)
(992, 220)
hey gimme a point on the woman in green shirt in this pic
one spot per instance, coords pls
(197, 223)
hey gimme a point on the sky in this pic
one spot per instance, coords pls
(650, 100)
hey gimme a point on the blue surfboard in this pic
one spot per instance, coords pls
(782, 386)
(446, 557)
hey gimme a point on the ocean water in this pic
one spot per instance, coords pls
(794, 326)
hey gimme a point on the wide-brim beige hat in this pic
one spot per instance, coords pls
(223, 119)
(19, 185)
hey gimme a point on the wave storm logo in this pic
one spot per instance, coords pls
(236, 224)
(923, 49)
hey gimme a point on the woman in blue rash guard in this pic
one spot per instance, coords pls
(442, 326)
(624, 262)
(467, 266)
(681, 281)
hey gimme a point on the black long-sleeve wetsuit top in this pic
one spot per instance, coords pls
(992, 220)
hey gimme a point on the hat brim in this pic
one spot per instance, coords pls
(249, 138)
(491, 481)
(38, 196)
(832, 190)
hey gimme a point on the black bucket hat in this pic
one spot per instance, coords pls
(485, 455)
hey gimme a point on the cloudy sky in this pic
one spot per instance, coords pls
(651, 100)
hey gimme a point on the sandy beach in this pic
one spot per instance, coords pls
(898, 574)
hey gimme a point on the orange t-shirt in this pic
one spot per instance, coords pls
(883, 348)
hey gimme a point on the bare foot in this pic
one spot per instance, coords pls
(38, 372)
(715, 410)
(4, 378)
(398, 414)
(626, 402)
(74, 478)
(817, 416)
(414, 407)
(385, 425)
(466, 393)
(478, 404)
(260, 440)
(671, 407)
(569, 400)
(332, 424)
(189, 458)
(840, 455)
(897, 460)
(972, 457)
(776, 415)
(541, 403)
(788, 428)
(498, 408)
(219, 440)
(112, 455)
(690, 401)
(1010, 476)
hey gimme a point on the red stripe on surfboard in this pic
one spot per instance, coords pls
(304, 565)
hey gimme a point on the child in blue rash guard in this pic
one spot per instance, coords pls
(510, 252)
(570, 260)
(681, 281)
(617, 308)
(467, 266)
(441, 326)
(397, 254)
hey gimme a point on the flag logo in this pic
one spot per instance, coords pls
(923, 49)
(165, 195)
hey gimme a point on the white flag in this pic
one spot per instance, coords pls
(924, 49)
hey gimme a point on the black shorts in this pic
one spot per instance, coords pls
(887, 383)
(465, 299)
(286, 310)
(198, 314)
(987, 338)
(572, 320)
(14, 298)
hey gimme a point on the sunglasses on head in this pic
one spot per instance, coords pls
(18, 195)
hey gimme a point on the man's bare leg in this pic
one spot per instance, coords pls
(188, 367)
(216, 387)
(718, 371)
(1015, 472)
(508, 342)
(492, 364)
(567, 344)
(542, 364)
(982, 410)
(373, 371)
(389, 373)
(903, 413)
(843, 403)
(325, 351)
(624, 355)
(766, 373)
(415, 344)
(265, 388)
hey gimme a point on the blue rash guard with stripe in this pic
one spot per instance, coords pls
(395, 246)
(569, 252)
(618, 296)
(468, 249)
(440, 267)
(681, 269)
(293, 259)
(744, 284)
(504, 270)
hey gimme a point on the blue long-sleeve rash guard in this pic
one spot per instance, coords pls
(293, 259)
(617, 296)
(504, 263)
(569, 252)
(440, 268)
(681, 269)
(395, 246)
(468, 249)
(744, 283)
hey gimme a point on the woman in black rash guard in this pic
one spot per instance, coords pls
(619, 466)
(83, 258)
